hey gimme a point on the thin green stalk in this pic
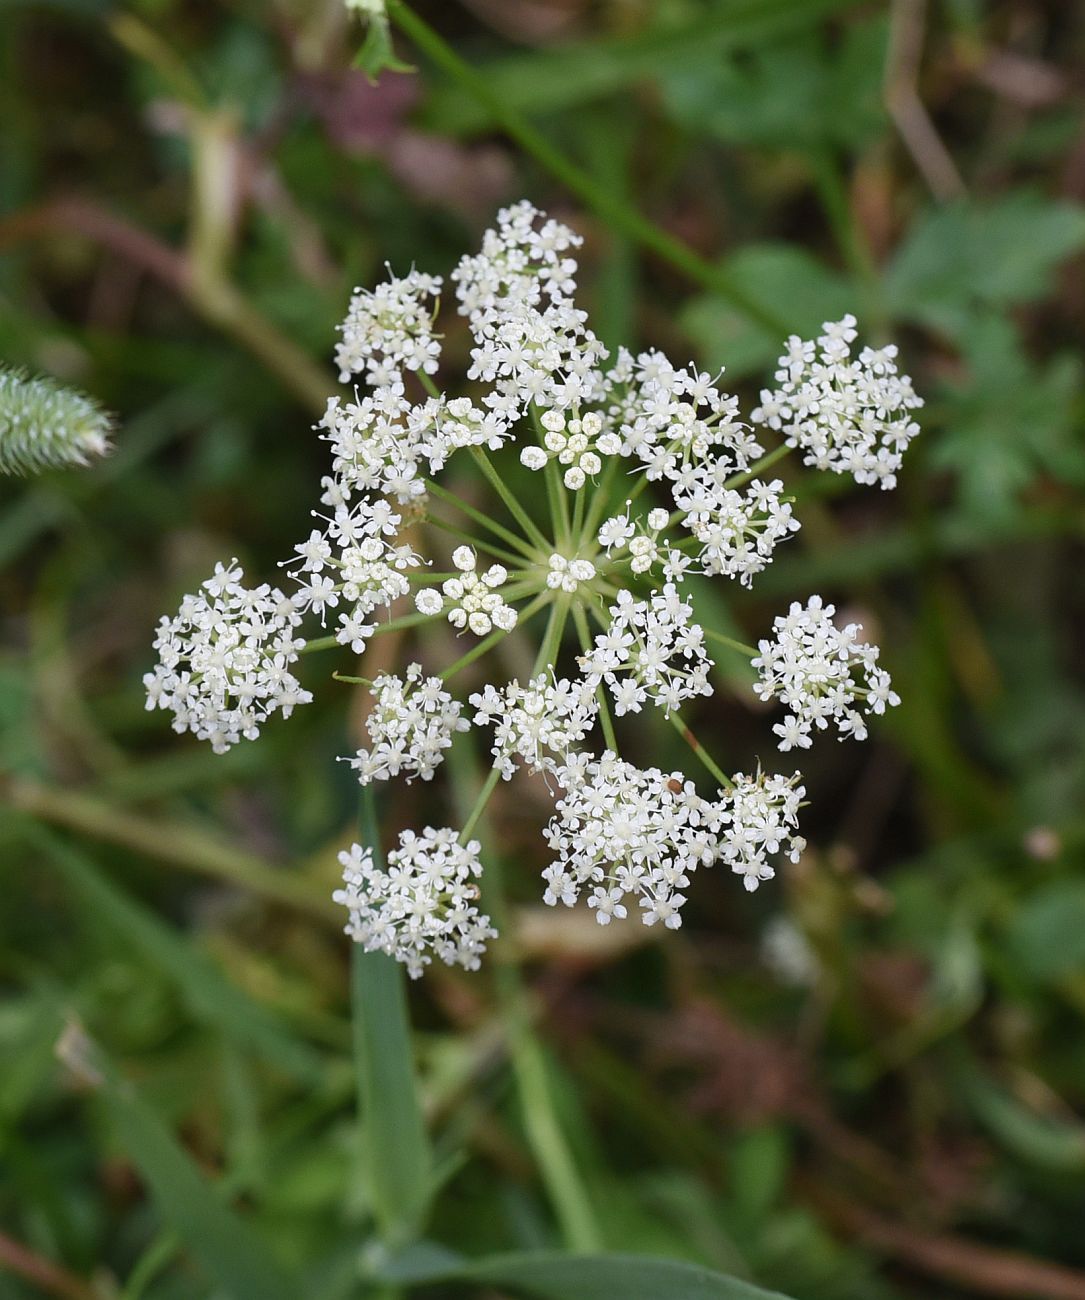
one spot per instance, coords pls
(559, 507)
(499, 530)
(605, 720)
(557, 1166)
(739, 480)
(853, 247)
(488, 548)
(743, 649)
(398, 1159)
(487, 642)
(705, 757)
(488, 787)
(512, 505)
(610, 205)
(601, 498)
(319, 643)
(578, 537)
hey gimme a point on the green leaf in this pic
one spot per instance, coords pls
(211, 998)
(789, 283)
(239, 1261)
(997, 252)
(578, 74)
(1041, 1140)
(803, 93)
(1010, 420)
(1047, 935)
(397, 1151)
(549, 1275)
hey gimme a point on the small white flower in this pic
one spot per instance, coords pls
(761, 815)
(568, 575)
(621, 831)
(390, 328)
(656, 643)
(423, 905)
(539, 723)
(472, 600)
(411, 724)
(224, 660)
(821, 673)
(849, 416)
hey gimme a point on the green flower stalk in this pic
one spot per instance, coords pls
(44, 425)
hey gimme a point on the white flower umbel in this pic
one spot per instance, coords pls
(850, 416)
(760, 816)
(390, 329)
(224, 660)
(578, 445)
(472, 600)
(737, 530)
(620, 831)
(555, 504)
(540, 723)
(423, 906)
(651, 651)
(568, 575)
(821, 673)
(411, 723)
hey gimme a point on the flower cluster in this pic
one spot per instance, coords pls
(820, 672)
(224, 660)
(761, 815)
(411, 724)
(850, 416)
(539, 723)
(649, 482)
(650, 651)
(472, 600)
(425, 902)
(621, 831)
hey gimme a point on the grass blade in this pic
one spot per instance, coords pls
(397, 1149)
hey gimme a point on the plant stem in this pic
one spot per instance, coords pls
(480, 518)
(514, 507)
(488, 787)
(499, 552)
(694, 744)
(778, 453)
(746, 650)
(621, 215)
(605, 720)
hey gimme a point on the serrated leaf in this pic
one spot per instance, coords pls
(574, 75)
(799, 93)
(999, 252)
(1009, 421)
(788, 282)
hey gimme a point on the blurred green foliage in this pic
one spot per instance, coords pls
(860, 1084)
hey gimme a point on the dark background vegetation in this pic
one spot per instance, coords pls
(865, 1082)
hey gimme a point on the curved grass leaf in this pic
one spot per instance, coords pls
(209, 996)
(551, 1275)
(231, 1252)
(396, 1147)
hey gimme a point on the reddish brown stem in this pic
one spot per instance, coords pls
(43, 1273)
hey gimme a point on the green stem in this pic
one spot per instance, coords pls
(317, 644)
(506, 534)
(476, 543)
(705, 757)
(488, 787)
(743, 649)
(738, 480)
(477, 651)
(605, 720)
(619, 214)
(601, 501)
(559, 508)
(512, 505)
